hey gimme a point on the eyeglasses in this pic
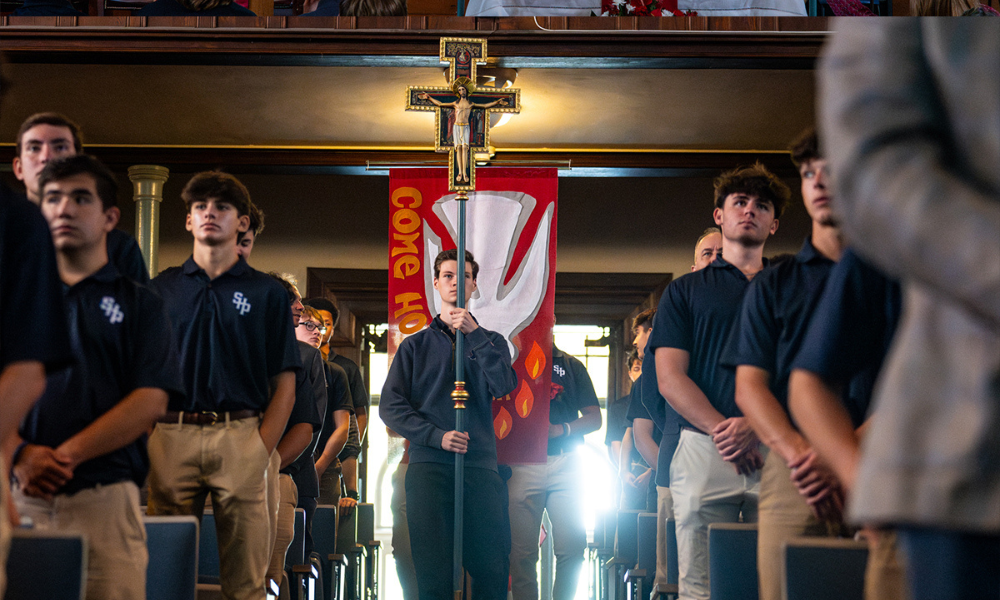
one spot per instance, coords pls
(311, 326)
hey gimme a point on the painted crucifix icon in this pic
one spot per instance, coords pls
(462, 110)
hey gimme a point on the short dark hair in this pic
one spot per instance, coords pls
(104, 179)
(256, 223)
(324, 304)
(805, 147)
(643, 319)
(453, 255)
(54, 119)
(221, 186)
(256, 220)
(754, 180)
(289, 288)
(632, 357)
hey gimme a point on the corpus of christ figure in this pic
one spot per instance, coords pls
(460, 130)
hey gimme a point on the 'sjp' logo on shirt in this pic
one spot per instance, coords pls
(241, 303)
(559, 370)
(111, 310)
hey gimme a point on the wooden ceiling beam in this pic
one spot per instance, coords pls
(278, 41)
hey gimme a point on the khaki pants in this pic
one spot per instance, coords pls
(110, 519)
(782, 515)
(885, 574)
(705, 490)
(555, 488)
(285, 530)
(664, 511)
(273, 497)
(4, 527)
(228, 461)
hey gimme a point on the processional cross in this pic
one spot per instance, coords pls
(462, 109)
(461, 125)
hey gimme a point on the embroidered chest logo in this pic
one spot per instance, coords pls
(112, 310)
(241, 303)
(558, 370)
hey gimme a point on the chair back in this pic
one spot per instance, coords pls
(325, 530)
(672, 573)
(347, 532)
(366, 523)
(732, 561)
(825, 569)
(646, 542)
(208, 550)
(296, 554)
(172, 573)
(46, 564)
(626, 541)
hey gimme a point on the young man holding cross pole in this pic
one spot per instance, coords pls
(416, 402)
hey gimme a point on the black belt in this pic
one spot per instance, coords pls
(693, 429)
(207, 417)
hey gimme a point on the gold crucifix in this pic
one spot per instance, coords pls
(462, 109)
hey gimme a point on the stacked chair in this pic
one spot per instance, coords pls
(825, 569)
(172, 573)
(732, 561)
(46, 565)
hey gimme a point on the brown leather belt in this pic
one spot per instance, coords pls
(207, 417)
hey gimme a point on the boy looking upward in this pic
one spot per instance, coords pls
(238, 357)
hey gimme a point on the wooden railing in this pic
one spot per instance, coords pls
(120, 14)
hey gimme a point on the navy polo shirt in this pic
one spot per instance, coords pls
(572, 390)
(775, 313)
(354, 378)
(637, 410)
(234, 333)
(696, 313)
(339, 397)
(851, 331)
(124, 254)
(664, 417)
(310, 406)
(32, 310)
(121, 340)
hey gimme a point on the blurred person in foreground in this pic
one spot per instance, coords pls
(914, 143)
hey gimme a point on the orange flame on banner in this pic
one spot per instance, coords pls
(534, 363)
(502, 424)
(524, 400)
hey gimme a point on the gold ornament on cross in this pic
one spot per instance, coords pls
(462, 109)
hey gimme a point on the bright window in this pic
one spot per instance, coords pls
(384, 452)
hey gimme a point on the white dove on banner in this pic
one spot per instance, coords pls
(496, 222)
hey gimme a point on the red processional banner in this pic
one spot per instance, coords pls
(511, 231)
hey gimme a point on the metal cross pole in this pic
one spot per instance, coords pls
(461, 127)
(459, 396)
